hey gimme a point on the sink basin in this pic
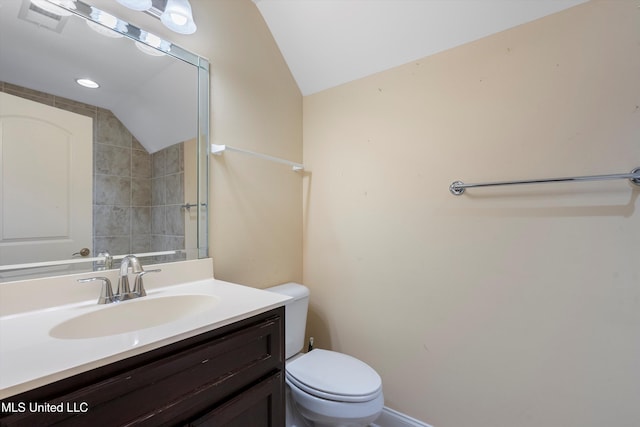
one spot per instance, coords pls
(133, 315)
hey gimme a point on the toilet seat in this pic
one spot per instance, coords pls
(334, 376)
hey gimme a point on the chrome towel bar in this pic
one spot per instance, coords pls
(457, 187)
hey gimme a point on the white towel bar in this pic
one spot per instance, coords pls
(219, 149)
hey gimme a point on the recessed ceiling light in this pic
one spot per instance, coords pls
(88, 83)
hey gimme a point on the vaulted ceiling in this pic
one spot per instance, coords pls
(330, 42)
(324, 42)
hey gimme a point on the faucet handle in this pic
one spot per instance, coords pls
(124, 291)
(106, 295)
(138, 286)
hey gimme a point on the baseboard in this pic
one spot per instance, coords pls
(391, 418)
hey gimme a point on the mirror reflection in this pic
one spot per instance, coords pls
(87, 171)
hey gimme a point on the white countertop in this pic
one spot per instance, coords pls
(30, 357)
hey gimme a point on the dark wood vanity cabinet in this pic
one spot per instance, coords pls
(232, 376)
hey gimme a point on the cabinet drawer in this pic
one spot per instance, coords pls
(260, 406)
(173, 387)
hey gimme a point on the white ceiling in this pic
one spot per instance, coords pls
(330, 42)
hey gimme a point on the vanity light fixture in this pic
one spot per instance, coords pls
(152, 41)
(106, 24)
(88, 83)
(177, 17)
(177, 14)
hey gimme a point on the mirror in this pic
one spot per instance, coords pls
(119, 169)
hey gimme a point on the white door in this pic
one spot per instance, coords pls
(45, 181)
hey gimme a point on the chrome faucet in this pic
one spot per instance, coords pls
(124, 290)
(106, 295)
(138, 285)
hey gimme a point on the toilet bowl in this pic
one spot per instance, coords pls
(325, 388)
(331, 389)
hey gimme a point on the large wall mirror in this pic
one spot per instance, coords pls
(89, 175)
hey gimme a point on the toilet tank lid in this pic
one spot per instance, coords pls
(291, 289)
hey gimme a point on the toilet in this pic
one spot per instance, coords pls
(324, 388)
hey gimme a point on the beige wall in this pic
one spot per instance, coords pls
(256, 206)
(512, 307)
(500, 308)
(256, 209)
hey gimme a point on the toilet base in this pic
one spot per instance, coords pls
(293, 416)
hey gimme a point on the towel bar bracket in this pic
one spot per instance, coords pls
(635, 180)
(456, 188)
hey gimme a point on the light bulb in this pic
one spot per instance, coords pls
(179, 19)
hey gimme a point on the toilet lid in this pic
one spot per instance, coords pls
(334, 376)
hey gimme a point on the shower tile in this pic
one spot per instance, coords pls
(111, 131)
(157, 242)
(141, 243)
(141, 192)
(112, 160)
(174, 242)
(140, 220)
(174, 189)
(112, 220)
(175, 220)
(112, 190)
(115, 245)
(158, 164)
(158, 220)
(135, 144)
(165, 243)
(174, 163)
(140, 164)
(158, 191)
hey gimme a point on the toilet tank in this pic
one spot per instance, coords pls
(295, 315)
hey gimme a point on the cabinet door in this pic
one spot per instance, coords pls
(260, 406)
